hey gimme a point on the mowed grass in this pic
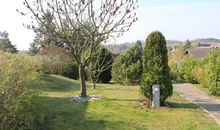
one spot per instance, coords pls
(117, 110)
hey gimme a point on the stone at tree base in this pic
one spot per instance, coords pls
(84, 99)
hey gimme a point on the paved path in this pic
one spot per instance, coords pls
(196, 96)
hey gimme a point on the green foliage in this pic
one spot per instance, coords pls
(101, 65)
(200, 72)
(71, 71)
(174, 61)
(5, 43)
(127, 68)
(155, 67)
(18, 74)
(213, 67)
(34, 48)
(186, 68)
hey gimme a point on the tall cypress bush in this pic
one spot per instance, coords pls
(155, 67)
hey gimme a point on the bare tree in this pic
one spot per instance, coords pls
(100, 66)
(82, 24)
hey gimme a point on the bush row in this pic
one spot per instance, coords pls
(18, 75)
(205, 71)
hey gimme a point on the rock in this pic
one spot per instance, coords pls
(84, 99)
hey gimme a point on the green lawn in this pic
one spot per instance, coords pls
(118, 109)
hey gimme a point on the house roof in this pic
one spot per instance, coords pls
(199, 52)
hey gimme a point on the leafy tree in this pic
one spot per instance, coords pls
(127, 68)
(155, 67)
(107, 19)
(100, 66)
(5, 43)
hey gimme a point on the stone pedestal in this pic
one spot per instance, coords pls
(156, 95)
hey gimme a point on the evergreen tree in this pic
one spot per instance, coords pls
(43, 36)
(155, 67)
(5, 43)
(127, 69)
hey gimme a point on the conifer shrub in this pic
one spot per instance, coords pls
(155, 67)
(127, 68)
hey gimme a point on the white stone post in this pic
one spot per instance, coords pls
(156, 95)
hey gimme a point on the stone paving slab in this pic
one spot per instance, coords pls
(198, 97)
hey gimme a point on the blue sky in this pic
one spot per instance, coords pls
(176, 19)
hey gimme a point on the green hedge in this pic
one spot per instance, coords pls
(18, 74)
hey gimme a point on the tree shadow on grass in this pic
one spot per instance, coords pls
(55, 84)
(130, 100)
(61, 114)
(182, 105)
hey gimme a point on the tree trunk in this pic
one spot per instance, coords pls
(82, 80)
(94, 87)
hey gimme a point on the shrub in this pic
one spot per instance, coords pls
(155, 67)
(127, 68)
(200, 72)
(186, 68)
(118, 70)
(56, 60)
(18, 73)
(213, 68)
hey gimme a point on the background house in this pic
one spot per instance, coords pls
(199, 52)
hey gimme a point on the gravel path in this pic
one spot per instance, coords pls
(196, 96)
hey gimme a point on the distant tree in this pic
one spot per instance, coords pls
(155, 67)
(34, 48)
(127, 68)
(5, 43)
(100, 66)
(187, 44)
(44, 36)
(107, 19)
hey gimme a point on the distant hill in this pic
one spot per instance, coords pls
(174, 42)
(120, 48)
(206, 41)
(123, 47)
